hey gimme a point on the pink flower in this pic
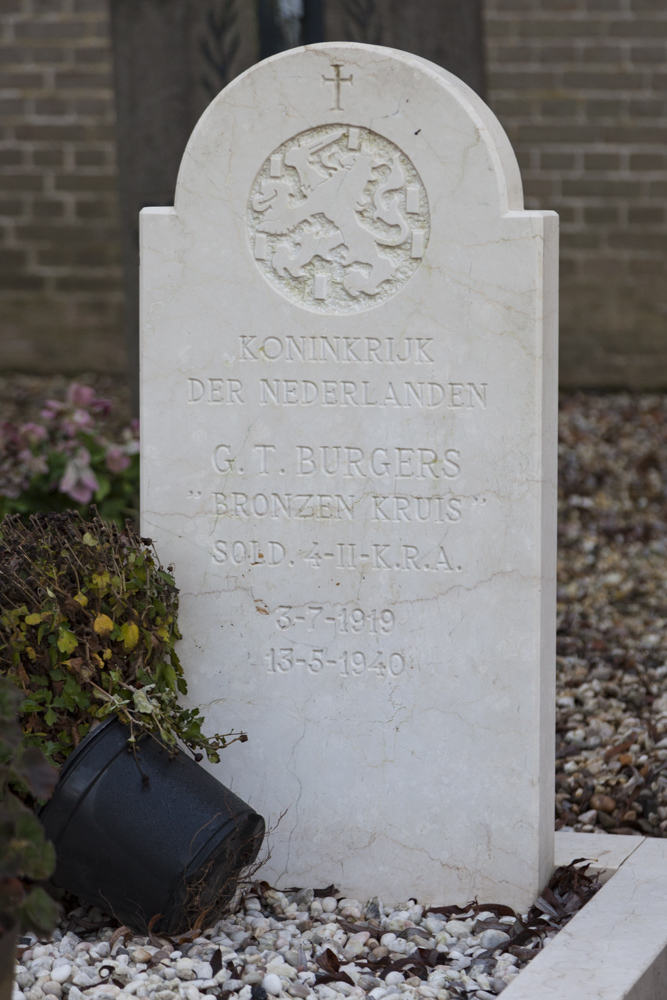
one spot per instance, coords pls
(79, 481)
(32, 434)
(33, 464)
(51, 408)
(116, 459)
(80, 395)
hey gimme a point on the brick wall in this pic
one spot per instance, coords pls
(580, 86)
(60, 278)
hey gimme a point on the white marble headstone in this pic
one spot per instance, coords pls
(348, 444)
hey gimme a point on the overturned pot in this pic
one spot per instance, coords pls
(146, 834)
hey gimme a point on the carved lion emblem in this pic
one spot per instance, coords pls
(338, 218)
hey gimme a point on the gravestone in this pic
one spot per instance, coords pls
(348, 447)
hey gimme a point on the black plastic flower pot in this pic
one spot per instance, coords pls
(148, 835)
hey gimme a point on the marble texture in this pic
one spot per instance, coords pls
(348, 451)
(615, 948)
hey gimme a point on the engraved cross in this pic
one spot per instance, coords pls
(337, 79)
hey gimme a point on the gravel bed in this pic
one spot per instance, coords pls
(611, 731)
(306, 945)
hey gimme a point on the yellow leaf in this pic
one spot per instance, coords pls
(31, 653)
(81, 599)
(97, 660)
(33, 619)
(89, 540)
(103, 625)
(163, 633)
(130, 636)
(106, 655)
(101, 580)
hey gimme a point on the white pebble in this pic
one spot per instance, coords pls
(272, 984)
(61, 973)
(394, 978)
(191, 992)
(493, 938)
(329, 904)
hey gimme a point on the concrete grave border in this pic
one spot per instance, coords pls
(615, 948)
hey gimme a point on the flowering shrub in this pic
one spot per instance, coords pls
(66, 460)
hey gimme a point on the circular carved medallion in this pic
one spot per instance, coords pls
(338, 219)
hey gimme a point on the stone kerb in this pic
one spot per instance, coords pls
(348, 433)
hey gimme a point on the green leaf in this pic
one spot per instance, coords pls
(89, 540)
(39, 912)
(67, 641)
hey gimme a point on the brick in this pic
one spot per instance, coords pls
(48, 157)
(559, 108)
(85, 182)
(603, 109)
(579, 241)
(84, 283)
(564, 55)
(51, 106)
(34, 30)
(648, 54)
(92, 56)
(91, 158)
(27, 80)
(92, 255)
(12, 259)
(647, 268)
(11, 107)
(64, 133)
(48, 208)
(557, 161)
(602, 161)
(613, 52)
(11, 157)
(566, 213)
(78, 79)
(606, 6)
(21, 282)
(92, 107)
(61, 234)
(564, 135)
(647, 109)
(559, 5)
(596, 80)
(49, 7)
(565, 28)
(601, 215)
(522, 81)
(636, 28)
(22, 182)
(520, 54)
(96, 209)
(11, 207)
(653, 215)
(648, 161)
(656, 242)
(585, 188)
